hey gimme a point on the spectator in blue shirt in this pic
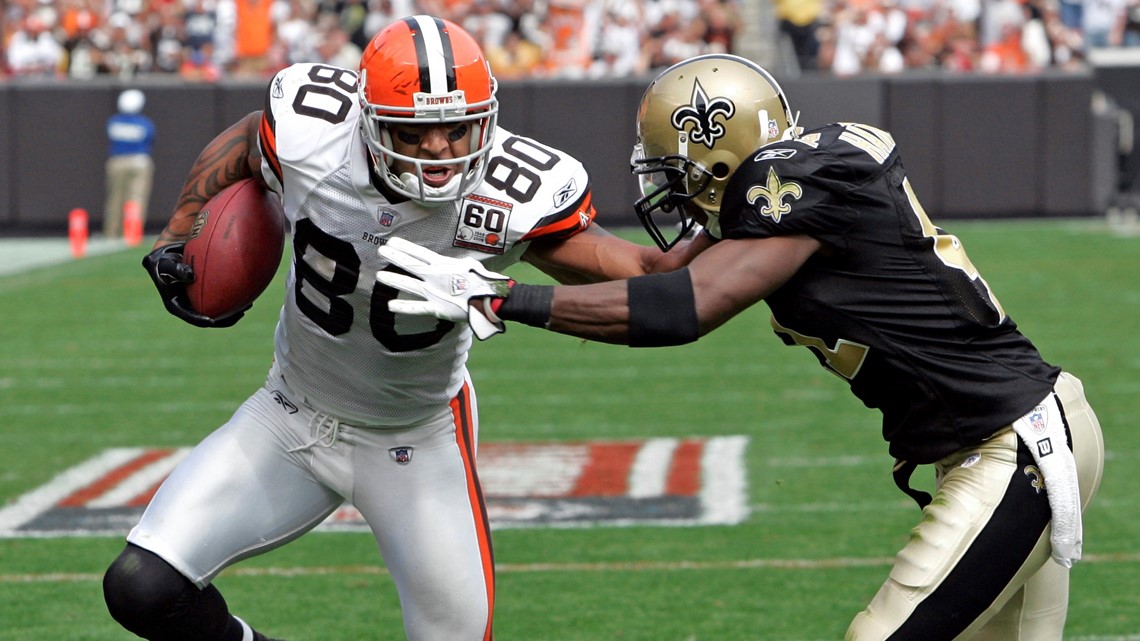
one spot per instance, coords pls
(130, 168)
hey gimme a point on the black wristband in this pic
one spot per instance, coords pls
(662, 310)
(528, 304)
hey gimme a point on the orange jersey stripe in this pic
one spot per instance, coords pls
(267, 139)
(567, 222)
(464, 428)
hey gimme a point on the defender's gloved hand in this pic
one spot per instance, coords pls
(446, 286)
(170, 275)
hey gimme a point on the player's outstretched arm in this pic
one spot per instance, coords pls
(596, 255)
(444, 287)
(656, 310)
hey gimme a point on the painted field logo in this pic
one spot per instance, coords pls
(661, 481)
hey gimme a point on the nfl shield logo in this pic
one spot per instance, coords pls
(386, 217)
(401, 455)
(1037, 419)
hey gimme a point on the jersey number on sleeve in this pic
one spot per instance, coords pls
(330, 95)
(514, 178)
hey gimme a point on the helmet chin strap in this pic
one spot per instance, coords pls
(794, 130)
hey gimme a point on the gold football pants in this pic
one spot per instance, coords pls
(978, 566)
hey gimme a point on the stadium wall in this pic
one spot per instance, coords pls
(975, 146)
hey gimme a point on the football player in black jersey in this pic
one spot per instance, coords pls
(824, 226)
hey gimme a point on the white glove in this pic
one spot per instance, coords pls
(445, 285)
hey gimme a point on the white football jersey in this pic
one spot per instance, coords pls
(336, 343)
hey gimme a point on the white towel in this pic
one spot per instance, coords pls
(1043, 432)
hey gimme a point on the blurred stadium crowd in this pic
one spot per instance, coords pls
(209, 39)
(995, 36)
(204, 40)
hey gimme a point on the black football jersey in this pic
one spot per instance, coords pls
(892, 303)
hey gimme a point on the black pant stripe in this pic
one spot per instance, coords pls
(988, 565)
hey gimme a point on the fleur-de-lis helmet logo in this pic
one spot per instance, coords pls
(702, 115)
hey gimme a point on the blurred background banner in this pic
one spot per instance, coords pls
(976, 145)
(1002, 108)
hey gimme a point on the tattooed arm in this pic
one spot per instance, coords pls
(231, 156)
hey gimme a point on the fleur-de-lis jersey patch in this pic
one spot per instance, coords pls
(773, 193)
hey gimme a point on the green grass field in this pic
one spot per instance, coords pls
(91, 361)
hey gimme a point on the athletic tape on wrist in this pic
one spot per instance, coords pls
(662, 310)
(528, 304)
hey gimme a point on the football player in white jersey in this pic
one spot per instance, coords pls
(360, 404)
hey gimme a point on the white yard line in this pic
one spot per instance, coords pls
(19, 255)
(526, 568)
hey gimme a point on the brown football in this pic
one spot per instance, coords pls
(235, 248)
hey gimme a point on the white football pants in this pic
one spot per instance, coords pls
(277, 469)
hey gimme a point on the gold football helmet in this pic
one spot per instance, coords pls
(697, 122)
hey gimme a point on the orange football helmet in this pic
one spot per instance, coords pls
(427, 70)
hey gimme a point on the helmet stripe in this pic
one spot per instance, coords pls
(433, 53)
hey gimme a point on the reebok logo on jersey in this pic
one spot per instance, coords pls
(773, 194)
(775, 154)
(565, 193)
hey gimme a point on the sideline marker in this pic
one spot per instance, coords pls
(77, 231)
(132, 223)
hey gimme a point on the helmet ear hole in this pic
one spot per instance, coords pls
(720, 170)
